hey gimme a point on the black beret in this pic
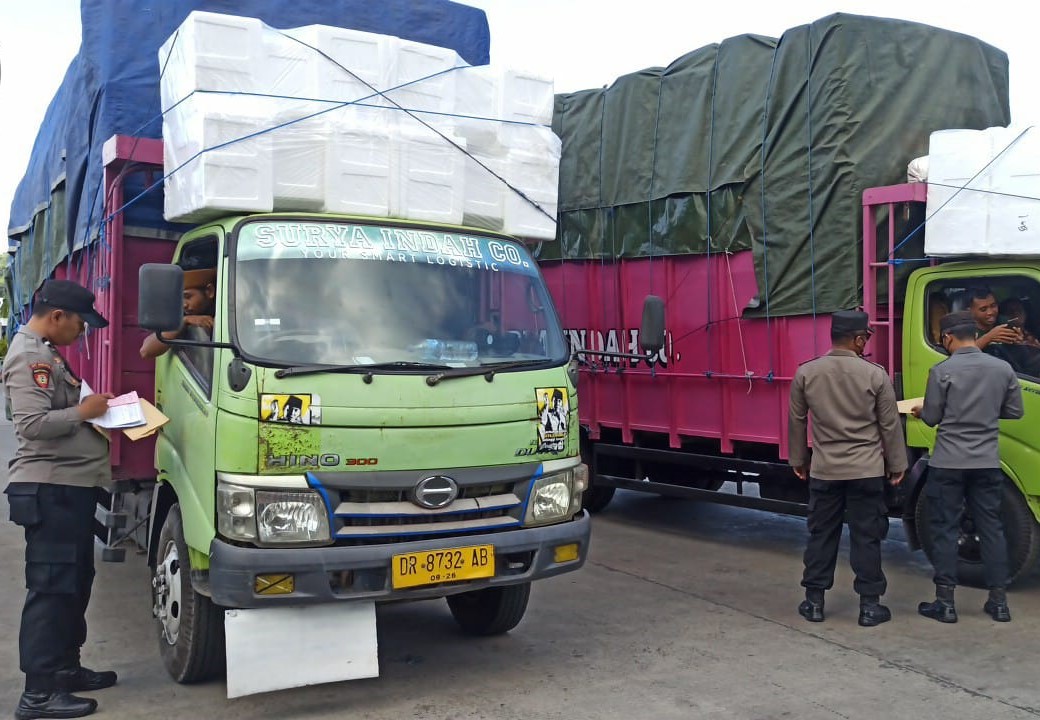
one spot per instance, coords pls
(956, 320)
(848, 322)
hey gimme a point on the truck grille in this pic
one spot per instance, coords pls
(379, 515)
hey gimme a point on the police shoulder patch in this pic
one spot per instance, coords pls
(41, 373)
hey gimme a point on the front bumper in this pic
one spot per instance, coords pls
(331, 574)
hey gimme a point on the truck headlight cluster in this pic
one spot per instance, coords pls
(557, 496)
(271, 517)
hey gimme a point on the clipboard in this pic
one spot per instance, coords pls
(153, 420)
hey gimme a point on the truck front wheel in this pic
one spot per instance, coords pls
(1020, 529)
(190, 626)
(492, 611)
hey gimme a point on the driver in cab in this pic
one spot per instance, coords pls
(200, 305)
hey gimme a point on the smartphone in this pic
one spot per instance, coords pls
(1014, 324)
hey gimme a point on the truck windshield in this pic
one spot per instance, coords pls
(318, 292)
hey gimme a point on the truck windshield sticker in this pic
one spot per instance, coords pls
(295, 409)
(332, 241)
(553, 412)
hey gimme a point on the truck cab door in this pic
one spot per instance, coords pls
(185, 392)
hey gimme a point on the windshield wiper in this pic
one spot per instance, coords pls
(366, 369)
(487, 370)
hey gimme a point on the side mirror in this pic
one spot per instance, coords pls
(651, 330)
(160, 298)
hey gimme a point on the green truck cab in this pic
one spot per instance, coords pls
(931, 292)
(385, 411)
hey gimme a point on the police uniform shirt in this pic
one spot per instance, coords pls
(54, 444)
(856, 428)
(967, 394)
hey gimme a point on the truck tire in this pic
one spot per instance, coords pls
(492, 611)
(1020, 529)
(190, 627)
(597, 497)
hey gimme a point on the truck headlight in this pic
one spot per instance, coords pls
(271, 517)
(291, 517)
(556, 497)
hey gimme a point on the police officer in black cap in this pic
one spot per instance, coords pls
(967, 395)
(54, 475)
(857, 444)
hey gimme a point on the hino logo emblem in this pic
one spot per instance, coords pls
(435, 492)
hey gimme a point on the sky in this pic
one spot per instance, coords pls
(580, 43)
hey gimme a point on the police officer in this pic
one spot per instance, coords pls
(857, 443)
(966, 396)
(59, 464)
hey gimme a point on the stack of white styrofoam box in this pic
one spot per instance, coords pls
(980, 185)
(427, 178)
(211, 51)
(235, 174)
(321, 152)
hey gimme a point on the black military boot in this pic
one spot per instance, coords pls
(996, 605)
(941, 608)
(36, 703)
(872, 612)
(79, 679)
(812, 607)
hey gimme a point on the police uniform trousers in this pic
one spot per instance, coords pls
(59, 573)
(863, 503)
(947, 491)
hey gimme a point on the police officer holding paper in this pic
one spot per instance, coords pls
(60, 462)
(857, 444)
(967, 395)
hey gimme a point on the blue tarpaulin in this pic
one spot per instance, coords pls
(112, 87)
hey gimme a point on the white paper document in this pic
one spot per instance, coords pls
(123, 412)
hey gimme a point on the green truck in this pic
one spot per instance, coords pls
(385, 411)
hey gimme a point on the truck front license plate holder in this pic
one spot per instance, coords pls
(432, 567)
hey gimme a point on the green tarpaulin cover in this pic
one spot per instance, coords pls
(764, 144)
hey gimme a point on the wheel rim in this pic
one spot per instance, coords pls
(167, 593)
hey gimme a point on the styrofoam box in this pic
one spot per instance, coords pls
(211, 51)
(427, 178)
(358, 165)
(232, 175)
(519, 98)
(979, 187)
(298, 155)
(287, 66)
(537, 176)
(527, 97)
(422, 77)
(346, 65)
(478, 92)
(525, 220)
(485, 192)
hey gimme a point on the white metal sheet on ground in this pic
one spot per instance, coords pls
(277, 648)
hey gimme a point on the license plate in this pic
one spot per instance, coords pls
(440, 566)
